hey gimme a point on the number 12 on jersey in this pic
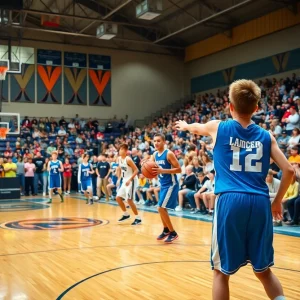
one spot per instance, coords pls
(237, 165)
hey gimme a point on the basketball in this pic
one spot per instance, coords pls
(147, 169)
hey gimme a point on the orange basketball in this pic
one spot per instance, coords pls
(147, 169)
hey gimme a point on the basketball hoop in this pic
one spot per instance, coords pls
(50, 21)
(3, 132)
(3, 71)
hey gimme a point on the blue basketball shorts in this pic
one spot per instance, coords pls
(54, 182)
(242, 233)
(168, 196)
(86, 184)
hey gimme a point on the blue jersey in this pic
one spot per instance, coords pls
(113, 167)
(83, 172)
(165, 180)
(242, 158)
(54, 166)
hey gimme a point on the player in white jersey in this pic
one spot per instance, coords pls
(127, 190)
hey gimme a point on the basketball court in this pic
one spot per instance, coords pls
(76, 251)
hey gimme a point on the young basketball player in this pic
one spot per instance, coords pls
(242, 228)
(85, 171)
(55, 168)
(169, 187)
(129, 184)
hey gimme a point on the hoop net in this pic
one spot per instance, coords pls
(3, 71)
(3, 133)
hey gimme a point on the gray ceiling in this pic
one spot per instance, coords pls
(183, 22)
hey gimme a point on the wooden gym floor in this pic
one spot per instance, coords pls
(44, 259)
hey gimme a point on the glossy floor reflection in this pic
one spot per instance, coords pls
(76, 251)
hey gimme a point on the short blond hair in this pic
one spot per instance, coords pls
(244, 95)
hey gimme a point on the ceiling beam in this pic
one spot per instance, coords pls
(107, 15)
(175, 13)
(213, 16)
(92, 36)
(17, 39)
(146, 32)
(183, 9)
(98, 20)
(116, 9)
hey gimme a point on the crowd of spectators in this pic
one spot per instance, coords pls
(278, 113)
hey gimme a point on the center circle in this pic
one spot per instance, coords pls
(53, 223)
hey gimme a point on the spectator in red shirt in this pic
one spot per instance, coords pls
(27, 154)
(100, 136)
(67, 176)
(26, 123)
(8, 153)
(286, 114)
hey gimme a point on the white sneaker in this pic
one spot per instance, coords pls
(95, 197)
(178, 208)
(142, 202)
(44, 194)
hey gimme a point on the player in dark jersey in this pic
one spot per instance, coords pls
(242, 227)
(168, 167)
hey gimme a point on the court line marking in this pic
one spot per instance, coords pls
(93, 247)
(124, 267)
(142, 264)
(276, 230)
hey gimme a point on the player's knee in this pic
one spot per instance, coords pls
(218, 275)
(263, 275)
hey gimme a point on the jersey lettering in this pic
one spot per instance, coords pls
(250, 146)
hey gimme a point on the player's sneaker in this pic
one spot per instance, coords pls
(178, 208)
(292, 223)
(172, 237)
(91, 202)
(61, 197)
(277, 223)
(137, 222)
(124, 218)
(50, 201)
(163, 236)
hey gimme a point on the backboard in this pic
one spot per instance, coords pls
(15, 56)
(10, 121)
